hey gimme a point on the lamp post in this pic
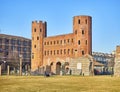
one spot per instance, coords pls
(20, 56)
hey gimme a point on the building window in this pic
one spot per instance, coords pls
(19, 48)
(64, 51)
(37, 38)
(82, 32)
(51, 43)
(57, 51)
(1, 41)
(12, 48)
(50, 52)
(75, 31)
(79, 21)
(54, 42)
(24, 49)
(29, 43)
(18, 42)
(34, 46)
(68, 51)
(78, 42)
(64, 41)
(68, 40)
(61, 41)
(24, 55)
(25, 43)
(29, 49)
(86, 21)
(54, 52)
(72, 40)
(83, 52)
(45, 53)
(71, 51)
(6, 53)
(60, 51)
(45, 43)
(12, 41)
(40, 30)
(6, 48)
(75, 50)
(86, 42)
(57, 42)
(6, 41)
(35, 30)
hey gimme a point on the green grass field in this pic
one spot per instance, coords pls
(59, 84)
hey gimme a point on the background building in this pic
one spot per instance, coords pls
(104, 62)
(10, 49)
(117, 62)
(53, 52)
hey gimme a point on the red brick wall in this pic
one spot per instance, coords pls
(59, 48)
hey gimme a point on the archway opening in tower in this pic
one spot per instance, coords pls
(58, 68)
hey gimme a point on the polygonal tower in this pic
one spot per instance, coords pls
(82, 29)
(39, 32)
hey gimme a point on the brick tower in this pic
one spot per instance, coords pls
(39, 32)
(82, 29)
(54, 51)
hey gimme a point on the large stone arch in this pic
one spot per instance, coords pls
(58, 67)
(52, 67)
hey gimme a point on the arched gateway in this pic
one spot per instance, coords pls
(58, 68)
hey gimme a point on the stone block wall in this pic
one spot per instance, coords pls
(117, 62)
(86, 67)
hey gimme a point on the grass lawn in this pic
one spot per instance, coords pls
(59, 84)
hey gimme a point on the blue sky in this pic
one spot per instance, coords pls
(16, 17)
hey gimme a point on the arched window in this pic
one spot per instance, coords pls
(45, 53)
(86, 42)
(78, 42)
(40, 30)
(83, 52)
(34, 46)
(86, 21)
(79, 21)
(83, 32)
(35, 30)
(37, 38)
(75, 31)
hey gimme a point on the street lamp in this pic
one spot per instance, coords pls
(20, 56)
